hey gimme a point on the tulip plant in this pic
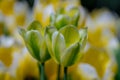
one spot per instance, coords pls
(36, 45)
(61, 40)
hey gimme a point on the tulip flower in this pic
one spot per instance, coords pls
(65, 45)
(63, 18)
(35, 43)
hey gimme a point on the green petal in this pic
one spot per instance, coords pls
(83, 36)
(71, 55)
(61, 21)
(73, 11)
(60, 10)
(49, 30)
(44, 54)
(33, 41)
(71, 34)
(22, 32)
(35, 25)
(74, 14)
(48, 38)
(58, 45)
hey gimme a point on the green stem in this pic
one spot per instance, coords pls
(59, 69)
(41, 70)
(65, 73)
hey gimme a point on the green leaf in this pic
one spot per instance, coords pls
(58, 45)
(33, 40)
(71, 55)
(71, 34)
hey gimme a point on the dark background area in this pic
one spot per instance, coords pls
(113, 5)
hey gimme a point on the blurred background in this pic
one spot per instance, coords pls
(101, 59)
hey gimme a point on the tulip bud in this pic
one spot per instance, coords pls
(62, 18)
(35, 41)
(64, 45)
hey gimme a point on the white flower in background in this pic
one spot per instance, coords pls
(87, 72)
(20, 11)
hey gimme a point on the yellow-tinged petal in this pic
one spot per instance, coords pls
(71, 34)
(61, 21)
(33, 40)
(58, 45)
(83, 37)
(44, 54)
(35, 25)
(70, 55)
(48, 38)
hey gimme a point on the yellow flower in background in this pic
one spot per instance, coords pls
(27, 68)
(87, 72)
(21, 12)
(6, 55)
(6, 6)
(6, 50)
(101, 29)
(103, 18)
(2, 25)
(7, 76)
(1, 28)
(101, 60)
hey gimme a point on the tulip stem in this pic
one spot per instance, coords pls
(59, 69)
(42, 73)
(65, 73)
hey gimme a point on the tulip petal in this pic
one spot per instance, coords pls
(35, 25)
(44, 54)
(71, 34)
(83, 36)
(33, 40)
(22, 32)
(61, 21)
(58, 44)
(74, 14)
(48, 38)
(71, 55)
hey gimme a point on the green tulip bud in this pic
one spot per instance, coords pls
(62, 18)
(35, 41)
(65, 45)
